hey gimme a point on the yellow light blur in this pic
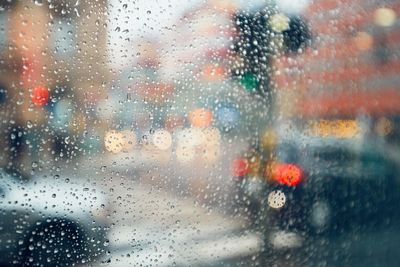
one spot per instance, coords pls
(384, 17)
(279, 22)
(210, 145)
(269, 139)
(114, 141)
(334, 128)
(162, 139)
(363, 41)
(129, 140)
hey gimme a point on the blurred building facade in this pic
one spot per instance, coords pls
(351, 68)
(52, 55)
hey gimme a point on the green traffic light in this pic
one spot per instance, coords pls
(249, 82)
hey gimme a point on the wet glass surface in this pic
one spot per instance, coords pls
(199, 133)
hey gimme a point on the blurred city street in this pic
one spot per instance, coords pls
(182, 234)
(157, 225)
(199, 133)
(153, 225)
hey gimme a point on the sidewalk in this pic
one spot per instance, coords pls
(156, 228)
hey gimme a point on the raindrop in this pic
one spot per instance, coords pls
(38, 2)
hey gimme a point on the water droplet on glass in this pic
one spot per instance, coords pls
(38, 2)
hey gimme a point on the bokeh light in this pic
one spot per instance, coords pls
(287, 174)
(384, 17)
(162, 139)
(114, 141)
(240, 167)
(40, 95)
(200, 117)
(276, 199)
(363, 41)
(249, 81)
(279, 22)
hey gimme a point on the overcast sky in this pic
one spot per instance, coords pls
(132, 19)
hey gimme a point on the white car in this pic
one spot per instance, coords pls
(51, 221)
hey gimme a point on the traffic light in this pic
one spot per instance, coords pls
(297, 36)
(252, 51)
(259, 37)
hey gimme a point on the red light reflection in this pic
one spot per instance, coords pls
(240, 167)
(40, 95)
(287, 174)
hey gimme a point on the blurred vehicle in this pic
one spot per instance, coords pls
(314, 186)
(50, 222)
